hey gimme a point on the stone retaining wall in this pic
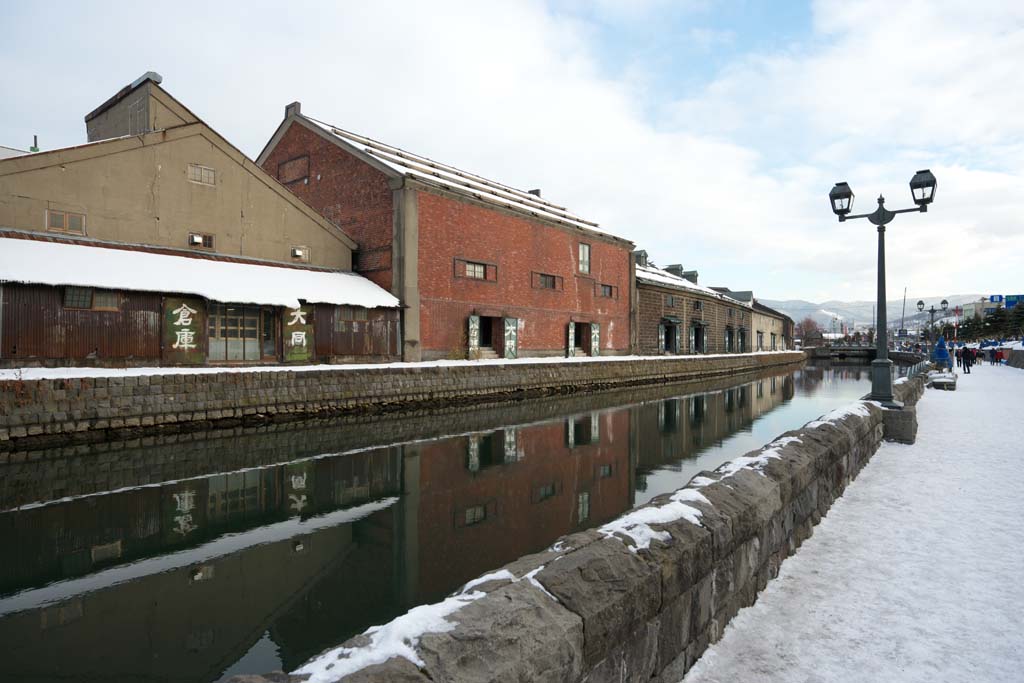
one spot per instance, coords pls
(641, 598)
(1016, 359)
(65, 410)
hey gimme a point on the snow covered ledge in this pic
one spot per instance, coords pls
(639, 598)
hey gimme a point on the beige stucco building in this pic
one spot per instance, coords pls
(158, 242)
(153, 173)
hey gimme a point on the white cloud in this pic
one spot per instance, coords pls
(734, 185)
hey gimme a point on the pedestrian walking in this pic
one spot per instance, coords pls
(968, 356)
(958, 353)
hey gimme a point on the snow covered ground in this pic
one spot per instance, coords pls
(914, 575)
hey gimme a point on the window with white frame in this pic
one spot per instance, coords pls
(204, 175)
(584, 258)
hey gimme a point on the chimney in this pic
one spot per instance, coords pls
(535, 193)
(675, 269)
(295, 108)
(640, 256)
(690, 275)
(35, 144)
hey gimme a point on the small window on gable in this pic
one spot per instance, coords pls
(200, 240)
(476, 271)
(608, 292)
(293, 170)
(299, 253)
(204, 175)
(65, 221)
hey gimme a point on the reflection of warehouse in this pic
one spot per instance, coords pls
(160, 243)
(680, 428)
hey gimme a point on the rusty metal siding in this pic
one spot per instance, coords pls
(376, 337)
(37, 326)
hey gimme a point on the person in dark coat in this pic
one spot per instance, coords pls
(968, 355)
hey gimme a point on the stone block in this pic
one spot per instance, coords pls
(634, 659)
(901, 424)
(515, 633)
(610, 588)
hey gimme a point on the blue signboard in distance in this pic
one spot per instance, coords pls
(995, 298)
(1013, 299)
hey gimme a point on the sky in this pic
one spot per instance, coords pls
(708, 133)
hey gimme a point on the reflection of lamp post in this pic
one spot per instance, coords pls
(922, 189)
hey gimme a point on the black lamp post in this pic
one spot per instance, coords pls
(930, 337)
(922, 189)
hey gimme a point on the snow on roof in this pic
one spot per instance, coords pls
(663, 277)
(54, 263)
(10, 152)
(451, 178)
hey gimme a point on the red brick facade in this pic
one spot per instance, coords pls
(347, 191)
(450, 229)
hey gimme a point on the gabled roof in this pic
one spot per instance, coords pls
(654, 275)
(758, 306)
(8, 152)
(197, 127)
(396, 162)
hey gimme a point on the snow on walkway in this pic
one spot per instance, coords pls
(915, 574)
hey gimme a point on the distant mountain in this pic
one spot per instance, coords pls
(860, 313)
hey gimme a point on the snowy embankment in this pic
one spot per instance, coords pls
(31, 373)
(688, 560)
(913, 576)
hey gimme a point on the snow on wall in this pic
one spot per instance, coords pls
(52, 263)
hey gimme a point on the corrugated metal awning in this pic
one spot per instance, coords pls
(55, 263)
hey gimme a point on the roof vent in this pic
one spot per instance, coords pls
(690, 275)
(640, 256)
(675, 269)
(293, 109)
(535, 193)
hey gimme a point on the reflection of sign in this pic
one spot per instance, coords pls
(184, 503)
(299, 481)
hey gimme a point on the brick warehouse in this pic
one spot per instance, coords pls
(675, 315)
(482, 269)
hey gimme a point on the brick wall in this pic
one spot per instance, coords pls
(70, 409)
(347, 191)
(653, 305)
(451, 229)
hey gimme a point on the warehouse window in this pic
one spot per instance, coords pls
(584, 258)
(78, 297)
(200, 240)
(106, 300)
(204, 175)
(65, 221)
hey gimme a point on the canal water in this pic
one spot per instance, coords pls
(195, 557)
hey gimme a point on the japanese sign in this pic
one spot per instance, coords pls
(184, 331)
(297, 330)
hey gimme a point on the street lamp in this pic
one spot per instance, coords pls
(922, 190)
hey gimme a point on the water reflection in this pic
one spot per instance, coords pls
(132, 563)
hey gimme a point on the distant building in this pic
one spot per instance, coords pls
(676, 315)
(482, 269)
(158, 242)
(770, 329)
